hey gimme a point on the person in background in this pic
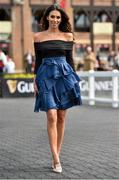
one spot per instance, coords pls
(10, 66)
(28, 62)
(89, 59)
(117, 60)
(33, 64)
(111, 60)
(3, 61)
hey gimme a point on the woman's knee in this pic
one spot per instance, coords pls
(61, 117)
(52, 116)
(61, 120)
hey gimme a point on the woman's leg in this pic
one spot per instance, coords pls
(52, 133)
(61, 114)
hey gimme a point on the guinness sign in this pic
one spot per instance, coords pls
(17, 87)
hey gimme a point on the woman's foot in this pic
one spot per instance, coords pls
(55, 162)
(57, 168)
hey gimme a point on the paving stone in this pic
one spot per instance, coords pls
(90, 149)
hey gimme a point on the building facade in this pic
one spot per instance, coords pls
(95, 23)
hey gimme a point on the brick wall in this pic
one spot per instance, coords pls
(17, 37)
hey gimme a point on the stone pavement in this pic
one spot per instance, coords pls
(90, 149)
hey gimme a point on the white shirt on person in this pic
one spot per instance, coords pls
(29, 58)
(10, 67)
(3, 58)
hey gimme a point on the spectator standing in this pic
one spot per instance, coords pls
(10, 66)
(117, 60)
(3, 61)
(111, 60)
(89, 59)
(33, 64)
(28, 60)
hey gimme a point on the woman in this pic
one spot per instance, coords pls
(56, 84)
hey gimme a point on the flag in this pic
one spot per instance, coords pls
(63, 3)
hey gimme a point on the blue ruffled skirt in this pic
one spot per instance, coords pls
(58, 85)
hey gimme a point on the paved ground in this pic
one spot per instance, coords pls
(90, 149)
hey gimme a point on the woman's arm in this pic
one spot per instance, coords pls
(38, 57)
(69, 53)
(69, 58)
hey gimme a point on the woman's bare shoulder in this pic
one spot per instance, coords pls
(38, 36)
(69, 36)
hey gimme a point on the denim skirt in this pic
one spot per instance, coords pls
(58, 85)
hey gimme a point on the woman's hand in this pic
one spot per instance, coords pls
(35, 88)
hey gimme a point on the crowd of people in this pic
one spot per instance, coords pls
(97, 62)
(7, 65)
(90, 61)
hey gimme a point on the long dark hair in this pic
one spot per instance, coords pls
(64, 26)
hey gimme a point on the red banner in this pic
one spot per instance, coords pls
(63, 3)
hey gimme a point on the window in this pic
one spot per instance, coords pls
(81, 22)
(102, 17)
(5, 37)
(4, 15)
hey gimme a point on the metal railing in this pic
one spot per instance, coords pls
(96, 83)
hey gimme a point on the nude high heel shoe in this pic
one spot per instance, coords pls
(57, 168)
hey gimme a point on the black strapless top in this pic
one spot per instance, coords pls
(52, 48)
